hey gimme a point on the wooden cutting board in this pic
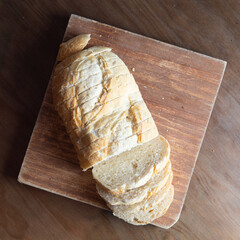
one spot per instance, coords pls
(179, 87)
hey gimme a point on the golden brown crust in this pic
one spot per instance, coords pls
(72, 46)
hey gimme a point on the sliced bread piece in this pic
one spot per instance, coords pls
(135, 195)
(146, 203)
(133, 168)
(72, 46)
(142, 215)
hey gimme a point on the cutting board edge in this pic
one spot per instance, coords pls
(22, 180)
(224, 62)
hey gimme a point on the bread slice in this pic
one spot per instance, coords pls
(135, 195)
(134, 168)
(142, 215)
(146, 203)
(72, 46)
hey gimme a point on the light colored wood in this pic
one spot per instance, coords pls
(30, 34)
(179, 87)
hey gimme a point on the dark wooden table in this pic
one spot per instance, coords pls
(30, 32)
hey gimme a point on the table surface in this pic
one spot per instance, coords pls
(30, 34)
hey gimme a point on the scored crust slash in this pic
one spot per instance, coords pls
(113, 131)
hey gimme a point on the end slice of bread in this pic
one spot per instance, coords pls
(133, 168)
(135, 195)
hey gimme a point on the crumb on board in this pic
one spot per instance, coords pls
(167, 130)
(133, 69)
(162, 98)
(145, 86)
(100, 35)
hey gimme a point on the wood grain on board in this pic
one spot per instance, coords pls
(179, 87)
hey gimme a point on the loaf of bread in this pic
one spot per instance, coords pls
(99, 102)
(113, 131)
